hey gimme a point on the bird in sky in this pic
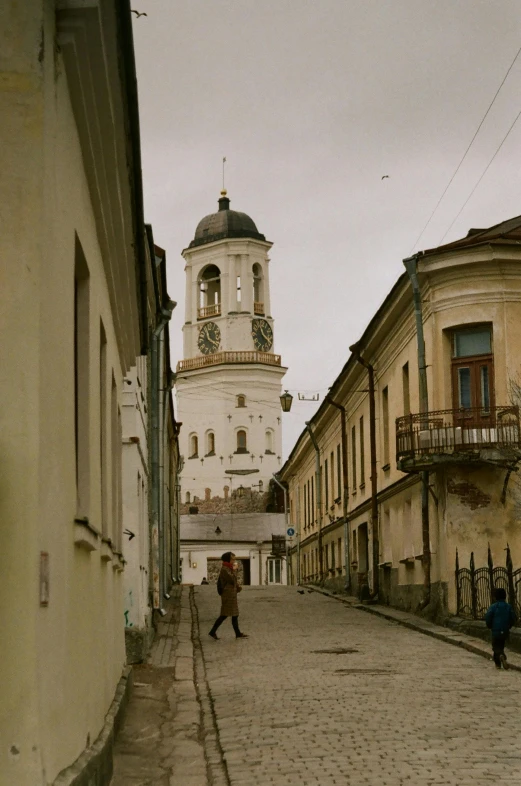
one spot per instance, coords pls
(384, 176)
(138, 13)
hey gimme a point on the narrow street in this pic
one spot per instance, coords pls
(321, 693)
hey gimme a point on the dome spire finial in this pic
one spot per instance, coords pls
(224, 202)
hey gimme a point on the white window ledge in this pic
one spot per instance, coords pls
(85, 536)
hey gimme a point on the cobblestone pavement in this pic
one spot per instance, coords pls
(322, 693)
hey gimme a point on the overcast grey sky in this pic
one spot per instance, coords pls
(312, 102)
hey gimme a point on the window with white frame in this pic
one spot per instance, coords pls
(274, 571)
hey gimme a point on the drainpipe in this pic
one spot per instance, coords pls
(298, 535)
(411, 266)
(345, 495)
(318, 484)
(286, 524)
(355, 349)
(155, 447)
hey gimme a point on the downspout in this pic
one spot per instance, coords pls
(180, 465)
(298, 535)
(411, 266)
(345, 495)
(286, 524)
(164, 395)
(318, 485)
(355, 349)
(155, 417)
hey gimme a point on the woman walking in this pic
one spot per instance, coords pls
(228, 587)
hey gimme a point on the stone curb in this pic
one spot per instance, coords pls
(94, 765)
(420, 625)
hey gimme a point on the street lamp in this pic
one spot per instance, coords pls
(286, 401)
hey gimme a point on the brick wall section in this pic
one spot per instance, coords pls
(252, 501)
(469, 494)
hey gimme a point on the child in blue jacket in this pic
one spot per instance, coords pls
(499, 618)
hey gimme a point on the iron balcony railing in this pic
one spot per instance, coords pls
(449, 431)
(209, 311)
(258, 308)
(219, 358)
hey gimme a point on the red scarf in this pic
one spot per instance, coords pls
(228, 565)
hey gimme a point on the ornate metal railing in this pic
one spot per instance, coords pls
(209, 311)
(475, 586)
(453, 430)
(219, 358)
(258, 308)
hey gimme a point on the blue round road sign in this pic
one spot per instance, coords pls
(291, 532)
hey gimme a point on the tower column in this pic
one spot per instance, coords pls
(232, 283)
(225, 291)
(246, 284)
(267, 301)
(189, 314)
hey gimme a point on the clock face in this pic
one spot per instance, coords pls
(262, 335)
(209, 338)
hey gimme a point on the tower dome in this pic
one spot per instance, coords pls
(225, 223)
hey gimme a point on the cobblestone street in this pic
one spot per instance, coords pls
(322, 693)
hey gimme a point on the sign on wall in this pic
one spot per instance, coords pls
(278, 545)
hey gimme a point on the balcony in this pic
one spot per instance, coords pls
(221, 358)
(209, 311)
(458, 436)
(258, 308)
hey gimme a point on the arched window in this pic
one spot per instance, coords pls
(241, 401)
(258, 289)
(209, 292)
(210, 444)
(268, 442)
(194, 446)
(242, 446)
(187, 498)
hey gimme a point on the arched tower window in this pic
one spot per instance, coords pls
(268, 442)
(210, 444)
(242, 444)
(194, 446)
(258, 289)
(209, 292)
(187, 497)
(241, 401)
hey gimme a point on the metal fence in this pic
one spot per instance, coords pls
(475, 586)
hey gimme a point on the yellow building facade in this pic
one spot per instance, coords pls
(73, 314)
(444, 492)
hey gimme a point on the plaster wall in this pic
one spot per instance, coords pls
(63, 660)
(234, 259)
(466, 508)
(135, 476)
(195, 558)
(207, 402)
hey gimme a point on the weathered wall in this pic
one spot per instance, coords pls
(63, 660)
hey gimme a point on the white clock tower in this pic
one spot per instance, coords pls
(229, 382)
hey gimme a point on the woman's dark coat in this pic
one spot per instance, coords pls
(228, 580)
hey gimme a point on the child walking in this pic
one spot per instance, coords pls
(499, 618)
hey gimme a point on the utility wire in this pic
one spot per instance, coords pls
(482, 176)
(464, 157)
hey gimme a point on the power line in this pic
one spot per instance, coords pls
(464, 157)
(482, 176)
